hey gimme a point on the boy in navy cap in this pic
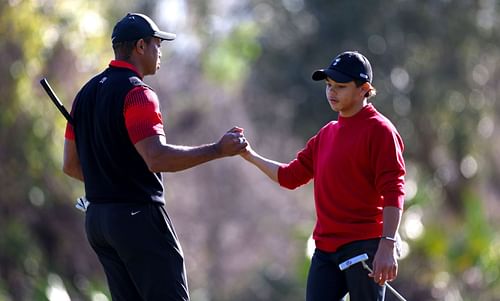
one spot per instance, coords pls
(118, 149)
(358, 170)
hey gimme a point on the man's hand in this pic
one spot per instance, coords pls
(232, 143)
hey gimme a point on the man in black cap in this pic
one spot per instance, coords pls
(358, 170)
(117, 147)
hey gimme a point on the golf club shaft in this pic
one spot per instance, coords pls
(55, 100)
(393, 290)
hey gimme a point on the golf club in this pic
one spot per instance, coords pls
(362, 258)
(81, 203)
(55, 100)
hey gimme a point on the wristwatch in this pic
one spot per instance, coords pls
(393, 239)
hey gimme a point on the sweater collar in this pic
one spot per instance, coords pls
(365, 112)
(125, 65)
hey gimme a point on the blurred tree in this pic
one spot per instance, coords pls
(249, 63)
(43, 251)
(44, 254)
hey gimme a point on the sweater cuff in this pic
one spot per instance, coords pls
(280, 176)
(394, 200)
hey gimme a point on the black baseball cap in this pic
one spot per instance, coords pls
(137, 26)
(345, 67)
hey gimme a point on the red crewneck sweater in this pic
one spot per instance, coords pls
(358, 168)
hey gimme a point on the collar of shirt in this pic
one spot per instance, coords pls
(364, 113)
(123, 64)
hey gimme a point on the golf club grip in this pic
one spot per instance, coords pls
(55, 100)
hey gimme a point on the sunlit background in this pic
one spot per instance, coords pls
(248, 63)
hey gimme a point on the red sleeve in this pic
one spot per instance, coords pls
(70, 132)
(389, 166)
(300, 170)
(142, 114)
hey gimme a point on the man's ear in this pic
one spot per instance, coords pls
(140, 45)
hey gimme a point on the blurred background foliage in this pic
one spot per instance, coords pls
(248, 63)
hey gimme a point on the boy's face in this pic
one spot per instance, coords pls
(345, 98)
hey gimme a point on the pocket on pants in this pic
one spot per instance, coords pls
(158, 219)
(162, 223)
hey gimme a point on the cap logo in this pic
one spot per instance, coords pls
(363, 75)
(337, 60)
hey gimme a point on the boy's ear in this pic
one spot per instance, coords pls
(366, 87)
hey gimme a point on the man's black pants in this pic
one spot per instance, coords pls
(138, 248)
(326, 282)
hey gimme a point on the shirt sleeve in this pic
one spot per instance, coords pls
(300, 170)
(389, 167)
(142, 114)
(70, 131)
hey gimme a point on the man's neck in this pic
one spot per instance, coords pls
(134, 63)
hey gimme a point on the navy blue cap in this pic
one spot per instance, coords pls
(346, 67)
(137, 26)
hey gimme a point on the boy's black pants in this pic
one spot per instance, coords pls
(326, 282)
